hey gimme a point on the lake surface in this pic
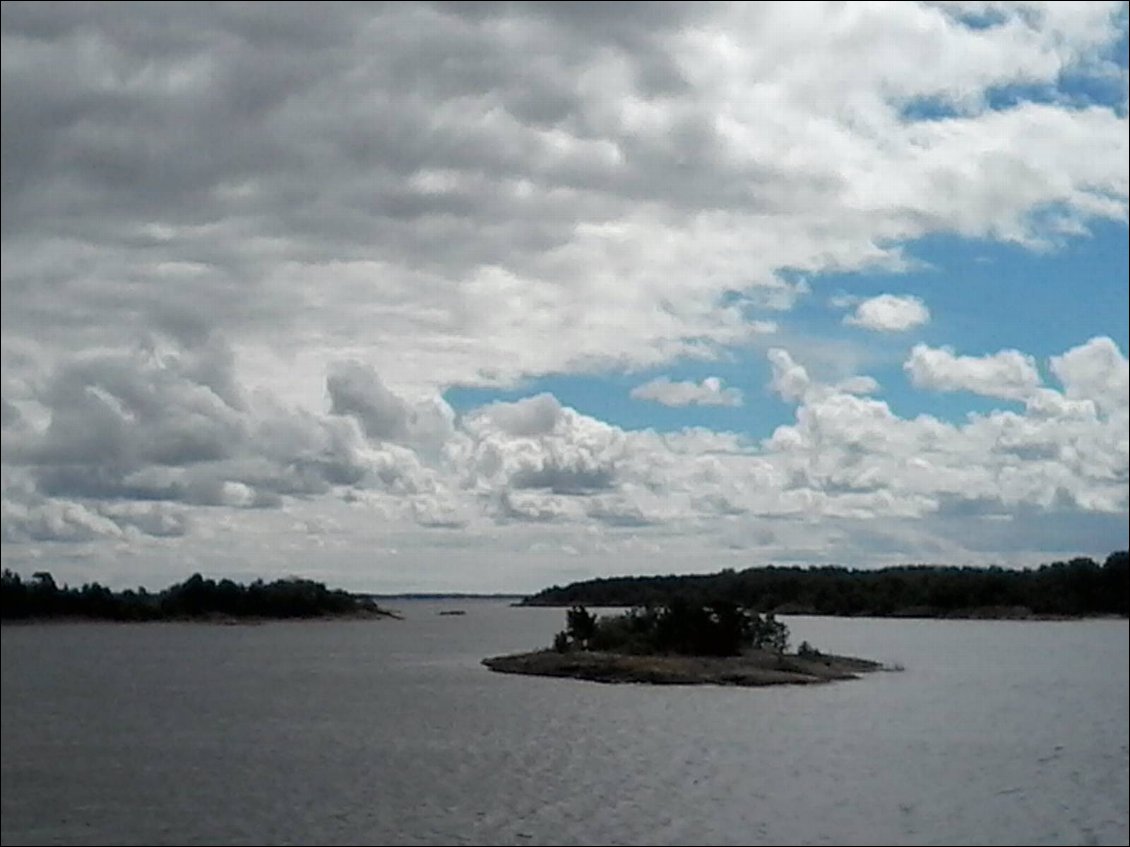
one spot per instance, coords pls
(390, 732)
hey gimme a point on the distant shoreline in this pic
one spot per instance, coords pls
(1079, 588)
(195, 599)
(205, 620)
(976, 614)
(440, 596)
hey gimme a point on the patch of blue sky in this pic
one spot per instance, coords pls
(928, 109)
(977, 17)
(1078, 90)
(607, 397)
(984, 296)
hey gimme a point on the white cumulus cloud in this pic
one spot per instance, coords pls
(889, 313)
(1096, 371)
(709, 392)
(1008, 374)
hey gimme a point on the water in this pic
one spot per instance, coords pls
(390, 732)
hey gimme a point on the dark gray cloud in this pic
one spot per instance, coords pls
(10, 417)
(46, 520)
(564, 478)
(168, 425)
(357, 390)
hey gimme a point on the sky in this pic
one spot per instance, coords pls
(488, 297)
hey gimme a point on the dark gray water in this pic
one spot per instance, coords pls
(390, 732)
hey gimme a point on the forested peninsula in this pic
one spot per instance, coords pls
(197, 598)
(1080, 587)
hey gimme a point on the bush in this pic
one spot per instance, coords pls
(807, 651)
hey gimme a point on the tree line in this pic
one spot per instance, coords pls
(680, 627)
(195, 598)
(1078, 587)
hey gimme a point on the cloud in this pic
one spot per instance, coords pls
(53, 521)
(1009, 374)
(858, 385)
(533, 416)
(847, 478)
(1095, 371)
(246, 251)
(537, 445)
(347, 189)
(854, 453)
(72, 522)
(889, 313)
(355, 389)
(846, 457)
(710, 392)
(790, 379)
(168, 425)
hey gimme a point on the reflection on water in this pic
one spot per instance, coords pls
(379, 732)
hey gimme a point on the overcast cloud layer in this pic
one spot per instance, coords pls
(247, 249)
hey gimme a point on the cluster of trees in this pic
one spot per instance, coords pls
(1078, 587)
(679, 627)
(196, 597)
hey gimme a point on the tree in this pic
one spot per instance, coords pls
(771, 634)
(681, 627)
(580, 625)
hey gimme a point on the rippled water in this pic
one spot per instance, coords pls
(390, 732)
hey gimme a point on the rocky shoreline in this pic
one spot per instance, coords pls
(753, 668)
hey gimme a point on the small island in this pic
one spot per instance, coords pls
(681, 643)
